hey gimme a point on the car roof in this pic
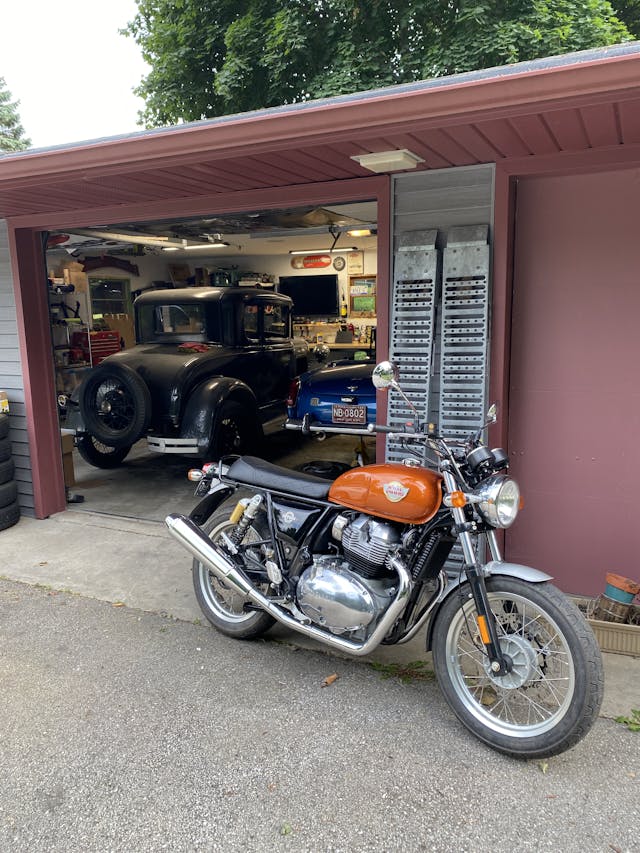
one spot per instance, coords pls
(207, 294)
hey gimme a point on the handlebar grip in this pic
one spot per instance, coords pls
(384, 428)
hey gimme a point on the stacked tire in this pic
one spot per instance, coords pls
(9, 507)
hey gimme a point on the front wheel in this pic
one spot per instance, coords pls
(550, 698)
(225, 608)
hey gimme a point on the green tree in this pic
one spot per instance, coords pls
(628, 11)
(12, 136)
(215, 58)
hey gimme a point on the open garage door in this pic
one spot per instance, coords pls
(574, 416)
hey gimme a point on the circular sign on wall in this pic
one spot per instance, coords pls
(339, 263)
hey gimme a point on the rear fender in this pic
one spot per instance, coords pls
(204, 405)
(493, 568)
(210, 503)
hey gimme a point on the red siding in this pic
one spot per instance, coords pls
(574, 389)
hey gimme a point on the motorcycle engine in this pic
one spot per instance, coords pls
(345, 594)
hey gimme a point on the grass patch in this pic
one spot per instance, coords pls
(632, 722)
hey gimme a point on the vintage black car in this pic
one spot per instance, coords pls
(208, 376)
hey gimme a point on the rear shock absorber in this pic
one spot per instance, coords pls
(244, 513)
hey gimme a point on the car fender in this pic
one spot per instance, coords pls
(493, 568)
(203, 408)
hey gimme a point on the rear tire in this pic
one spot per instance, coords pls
(98, 454)
(552, 696)
(223, 607)
(235, 432)
(115, 405)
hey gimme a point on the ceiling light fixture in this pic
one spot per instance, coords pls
(388, 161)
(211, 244)
(362, 232)
(323, 251)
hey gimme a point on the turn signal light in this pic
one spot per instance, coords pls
(195, 475)
(458, 499)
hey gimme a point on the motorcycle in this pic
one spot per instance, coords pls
(363, 560)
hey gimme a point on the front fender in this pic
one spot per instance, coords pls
(199, 416)
(493, 568)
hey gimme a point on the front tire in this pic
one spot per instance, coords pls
(552, 696)
(223, 607)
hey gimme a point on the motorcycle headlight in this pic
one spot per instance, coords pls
(499, 500)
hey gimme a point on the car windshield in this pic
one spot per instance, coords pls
(172, 321)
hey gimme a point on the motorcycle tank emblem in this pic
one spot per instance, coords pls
(395, 491)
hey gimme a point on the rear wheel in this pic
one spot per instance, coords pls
(115, 404)
(552, 695)
(222, 606)
(235, 432)
(98, 454)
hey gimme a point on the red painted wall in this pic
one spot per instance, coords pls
(574, 414)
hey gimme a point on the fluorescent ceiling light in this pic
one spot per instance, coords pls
(218, 244)
(323, 251)
(388, 161)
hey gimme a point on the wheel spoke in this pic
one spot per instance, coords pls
(538, 688)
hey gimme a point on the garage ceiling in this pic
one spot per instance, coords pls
(256, 233)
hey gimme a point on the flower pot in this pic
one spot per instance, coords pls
(609, 610)
(621, 589)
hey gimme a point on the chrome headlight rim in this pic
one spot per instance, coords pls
(499, 500)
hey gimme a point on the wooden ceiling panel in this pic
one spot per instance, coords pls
(568, 129)
(535, 131)
(601, 125)
(629, 112)
(503, 137)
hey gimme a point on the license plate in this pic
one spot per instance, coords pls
(342, 414)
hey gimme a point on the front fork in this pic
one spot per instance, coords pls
(500, 664)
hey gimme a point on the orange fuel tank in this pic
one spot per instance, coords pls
(393, 491)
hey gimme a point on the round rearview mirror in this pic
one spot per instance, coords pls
(385, 374)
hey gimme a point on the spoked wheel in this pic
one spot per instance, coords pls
(223, 606)
(115, 404)
(235, 433)
(98, 454)
(550, 698)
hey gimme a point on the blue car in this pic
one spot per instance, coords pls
(339, 397)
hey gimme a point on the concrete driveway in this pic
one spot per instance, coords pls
(127, 731)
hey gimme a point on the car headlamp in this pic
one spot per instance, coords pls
(499, 500)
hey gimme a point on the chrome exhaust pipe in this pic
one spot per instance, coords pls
(198, 544)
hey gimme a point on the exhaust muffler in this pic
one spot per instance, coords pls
(198, 544)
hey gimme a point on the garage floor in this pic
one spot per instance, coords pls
(151, 485)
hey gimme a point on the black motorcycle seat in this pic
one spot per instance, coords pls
(252, 471)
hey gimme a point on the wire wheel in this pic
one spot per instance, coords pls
(552, 693)
(221, 604)
(115, 404)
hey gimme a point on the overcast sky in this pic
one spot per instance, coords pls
(70, 69)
